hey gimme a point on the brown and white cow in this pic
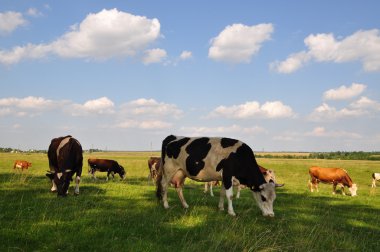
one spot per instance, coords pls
(105, 165)
(65, 160)
(335, 176)
(375, 177)
(206, 159)
(154, 165)
(21, 164)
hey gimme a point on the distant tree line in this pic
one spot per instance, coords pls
(337, 155)
(12, 150)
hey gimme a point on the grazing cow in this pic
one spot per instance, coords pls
(20, 164)
(65, 160)
(154, 165)
(375, 176)
(335, 176)
(269, 176)
(105, 165)
(209, 159)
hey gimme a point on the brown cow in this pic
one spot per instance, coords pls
(22, 164)
(154, 165)
(335, 176)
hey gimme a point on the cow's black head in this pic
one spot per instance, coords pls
(62, 180)
(122, 172)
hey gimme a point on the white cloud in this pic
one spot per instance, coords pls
(103, 35)
(326, 112)
(322, 132)
(33, 12)
(343, 92)
(366, 103)
(152, 108)
(221, 131)
(275, 109)
(363, 46)
(29, 102)
(10, 21)
(146, 125)
(237, 43)
(154, 56)
(99, 106)
(186, 55)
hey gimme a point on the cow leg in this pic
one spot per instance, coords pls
(206, 187)
(178, 180)
(211, 191)
(221, 198)
(373, 183)
(343, 192)
(77, 181)
(238, 191)
(164, 185)
(229, 196)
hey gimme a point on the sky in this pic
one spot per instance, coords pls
(122, 75)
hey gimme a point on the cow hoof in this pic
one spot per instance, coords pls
(186, 206)
(232, 213)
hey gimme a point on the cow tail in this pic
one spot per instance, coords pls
(165, 142)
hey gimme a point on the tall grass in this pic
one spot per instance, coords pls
(125, 216)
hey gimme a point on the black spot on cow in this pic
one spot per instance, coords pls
(197, 150)
(241, 164)
(174, 148)
(228, 142)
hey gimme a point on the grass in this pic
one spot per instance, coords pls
(125, 216)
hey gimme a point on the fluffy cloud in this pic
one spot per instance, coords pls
(99, 106)
(186, 55)
(326, 112)
(363, 46)
(150, 107)
(10, 20)
(275, 109)
(343, 92)
(237, 43)
(146, 125)
(99, 36)
(29, 102)
(322, 132)
(154, 56)
(219, 131)
(366, 103)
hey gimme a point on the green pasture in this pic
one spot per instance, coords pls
(125, 216)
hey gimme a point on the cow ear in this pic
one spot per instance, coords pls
(261, 187)
(271, 181)
(265, 173)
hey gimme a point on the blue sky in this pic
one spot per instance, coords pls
(122, 75)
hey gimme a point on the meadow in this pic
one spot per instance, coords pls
(125, 215)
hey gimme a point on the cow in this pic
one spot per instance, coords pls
(206, 159)
(21, 164)
(153, 164)
(105, 165)
(375, 177)
(335, 176)
(269, 175)
(65, 156)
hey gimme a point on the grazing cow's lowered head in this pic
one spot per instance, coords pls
(353, 189)
(265, 198)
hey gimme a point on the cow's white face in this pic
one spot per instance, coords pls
(265, 198)
(353, 189)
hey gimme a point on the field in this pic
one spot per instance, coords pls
(125, 216)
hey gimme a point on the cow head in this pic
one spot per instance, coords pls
(265, 198)
(122, 172)
(353, 189)
(62, 180)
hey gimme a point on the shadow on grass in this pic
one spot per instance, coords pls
(104, 220)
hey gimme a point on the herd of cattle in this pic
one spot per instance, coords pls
(203, 159)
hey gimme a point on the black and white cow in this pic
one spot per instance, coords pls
(65, 160)
(375, 177)
(210, 159)
(105, 165)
